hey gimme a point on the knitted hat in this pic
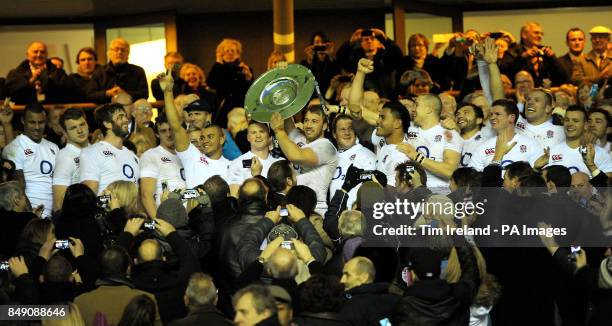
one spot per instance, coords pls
(173, 212)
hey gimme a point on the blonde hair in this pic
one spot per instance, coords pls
(275, 56)
(189, 65)
(351, 223)
(73, 318)
(127, 195)
(225, 42)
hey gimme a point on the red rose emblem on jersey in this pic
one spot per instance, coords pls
(489, 151)
(438, 138)
(523, 149)
(352, 158)
(550, 134)
(557, 157)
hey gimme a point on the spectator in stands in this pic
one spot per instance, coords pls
(140, 311)
(118, 76)
(36, 79)
(34, 235)
(276, 59)
(6, 127)
(596, 66)
(153, 274)
(320, 59)
(321, 301)
(599, 123)
(574, 39)
(414, 83)
(459, 63)
(581, 189)
(200, 299)
(15, 214)
(142, 112)
(418, 58)
(80, 82)
(255, 305)
(374, 45)
(114, 292)
(230, 78)
(367, 302)
(194, 82)
(282, 178)
(58, 62)
(172, 63)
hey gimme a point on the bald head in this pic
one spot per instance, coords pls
(283, 264)
(37, 54)
(357, 271)
(371, 100)
(581, 187)
(149, 250)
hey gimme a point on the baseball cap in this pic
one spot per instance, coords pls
(199, 105)
(425, 262)
(279, 294)
(600, 30)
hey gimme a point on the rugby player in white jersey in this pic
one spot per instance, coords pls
(507, 146)
(592, 160)
(437, 149)
(67, 162)
(108, 160)
(598, 123)
(469, 120)
(257, 161)
(539, 126)
(317, 159)
(392, 125)
(349, 152)
(199, 166)
(34, 159)
(160, 169)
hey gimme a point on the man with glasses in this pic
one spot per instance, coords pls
(118, 76)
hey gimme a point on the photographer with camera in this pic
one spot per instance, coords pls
(372, 44)
(320, 59)
(152, 273)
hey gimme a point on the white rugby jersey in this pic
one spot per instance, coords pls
(432, 143)
(379, 141)
(105, 163)
(469, 147)
(487, 131)
(387, 158)
(547, 134)
(526, 149)
(358, 156)
(37, 161)
(67, 166)
(562, 154)
(318, 177)
(237, 174)
(199, 167)
(162, 165)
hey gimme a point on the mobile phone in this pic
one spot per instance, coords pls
(409, 169)
(104, 200)
(287, 245)
(284, 212)
(367, 32)
(62, 244)
(190, 194)
(574, 250)
(366, 175)
(594, 90)
(247, 164)
(496, 35)
(322, 48)
(4, 266)
(149, 225)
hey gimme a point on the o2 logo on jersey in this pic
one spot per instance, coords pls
(46, 167)
(128, 171)
(338, 173)
(182, 173)
(424, 150)
(466, 158)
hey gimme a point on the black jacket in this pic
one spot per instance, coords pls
(437, 302)
(12, 227)
(230, 85)
(129, 77)
(167, 284)
(53, 83)
(204, 315)
(249, 214)
(367, 304)
(78, 86)
(319, 319)
(250, 242)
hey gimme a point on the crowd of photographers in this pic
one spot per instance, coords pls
(205, 216)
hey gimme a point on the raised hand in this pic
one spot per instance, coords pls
(277, 123)
(365, 65)
(256, 166)
(542, 161)
(490, 50)
(166, 83)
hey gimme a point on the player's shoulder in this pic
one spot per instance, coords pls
(151, 153)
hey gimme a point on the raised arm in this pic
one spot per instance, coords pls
(181, 140)
(489, 54)
(295, 154)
